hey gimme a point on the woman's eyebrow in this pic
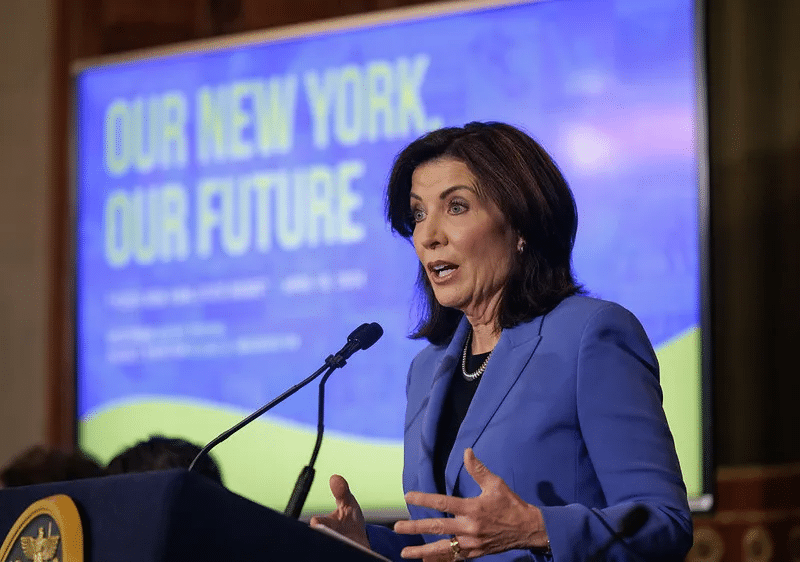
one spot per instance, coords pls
(445, 193)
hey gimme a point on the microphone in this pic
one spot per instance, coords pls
(360, 338)
(631, 523)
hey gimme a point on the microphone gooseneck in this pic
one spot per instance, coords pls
(360, 338)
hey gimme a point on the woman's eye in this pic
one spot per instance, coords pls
(457, 207)
(417, 214)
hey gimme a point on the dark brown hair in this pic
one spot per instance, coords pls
(163, 453)
(40, 465)
(515, 173)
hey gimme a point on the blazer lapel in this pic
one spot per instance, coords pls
(439, 385)
(510, 356)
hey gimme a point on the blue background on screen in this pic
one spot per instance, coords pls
(234, 317)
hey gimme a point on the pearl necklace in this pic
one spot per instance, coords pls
(474, 375)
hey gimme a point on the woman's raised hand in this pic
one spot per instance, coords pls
(495, 521)
(347, 519)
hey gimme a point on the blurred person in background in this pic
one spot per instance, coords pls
(163, 453)
(40, 464)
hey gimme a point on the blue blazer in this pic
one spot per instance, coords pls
(569, 414)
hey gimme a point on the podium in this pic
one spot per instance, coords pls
(176, 515)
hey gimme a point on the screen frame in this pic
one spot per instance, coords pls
(706, 501)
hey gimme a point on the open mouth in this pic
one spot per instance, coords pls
(441, 270)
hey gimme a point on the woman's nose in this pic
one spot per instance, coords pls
(432, 234)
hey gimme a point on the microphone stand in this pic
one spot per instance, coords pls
(306, 478)
(225, 434)
(361, 338)
(367, 337)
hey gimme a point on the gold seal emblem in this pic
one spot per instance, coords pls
(40, 548)
(27, 541)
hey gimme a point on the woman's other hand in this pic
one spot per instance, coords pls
(347, 519)
(495, 521)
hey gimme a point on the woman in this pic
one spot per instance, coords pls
(556, 393)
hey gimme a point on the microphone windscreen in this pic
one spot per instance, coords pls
(365, 335)
(372, 334)
(357, 334)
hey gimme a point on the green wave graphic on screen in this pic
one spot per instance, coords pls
(262, 461)
(681, 382)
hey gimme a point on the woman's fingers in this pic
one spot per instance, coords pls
(442, 526)
(341, 492)
(482, 475)
(445, 557)
(457, 506)
(323, 520)
(346, 504)
(494, 521)
(439, 502)
(444, 550)
(347, 519)
(439, 550)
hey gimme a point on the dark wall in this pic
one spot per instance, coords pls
(754, 135)
(753, 53)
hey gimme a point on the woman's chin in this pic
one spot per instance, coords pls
(449, 300)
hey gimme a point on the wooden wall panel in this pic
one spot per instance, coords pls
(757, 517)
(754, 134)
(25, 175)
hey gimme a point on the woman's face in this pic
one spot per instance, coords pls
(464, 243)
